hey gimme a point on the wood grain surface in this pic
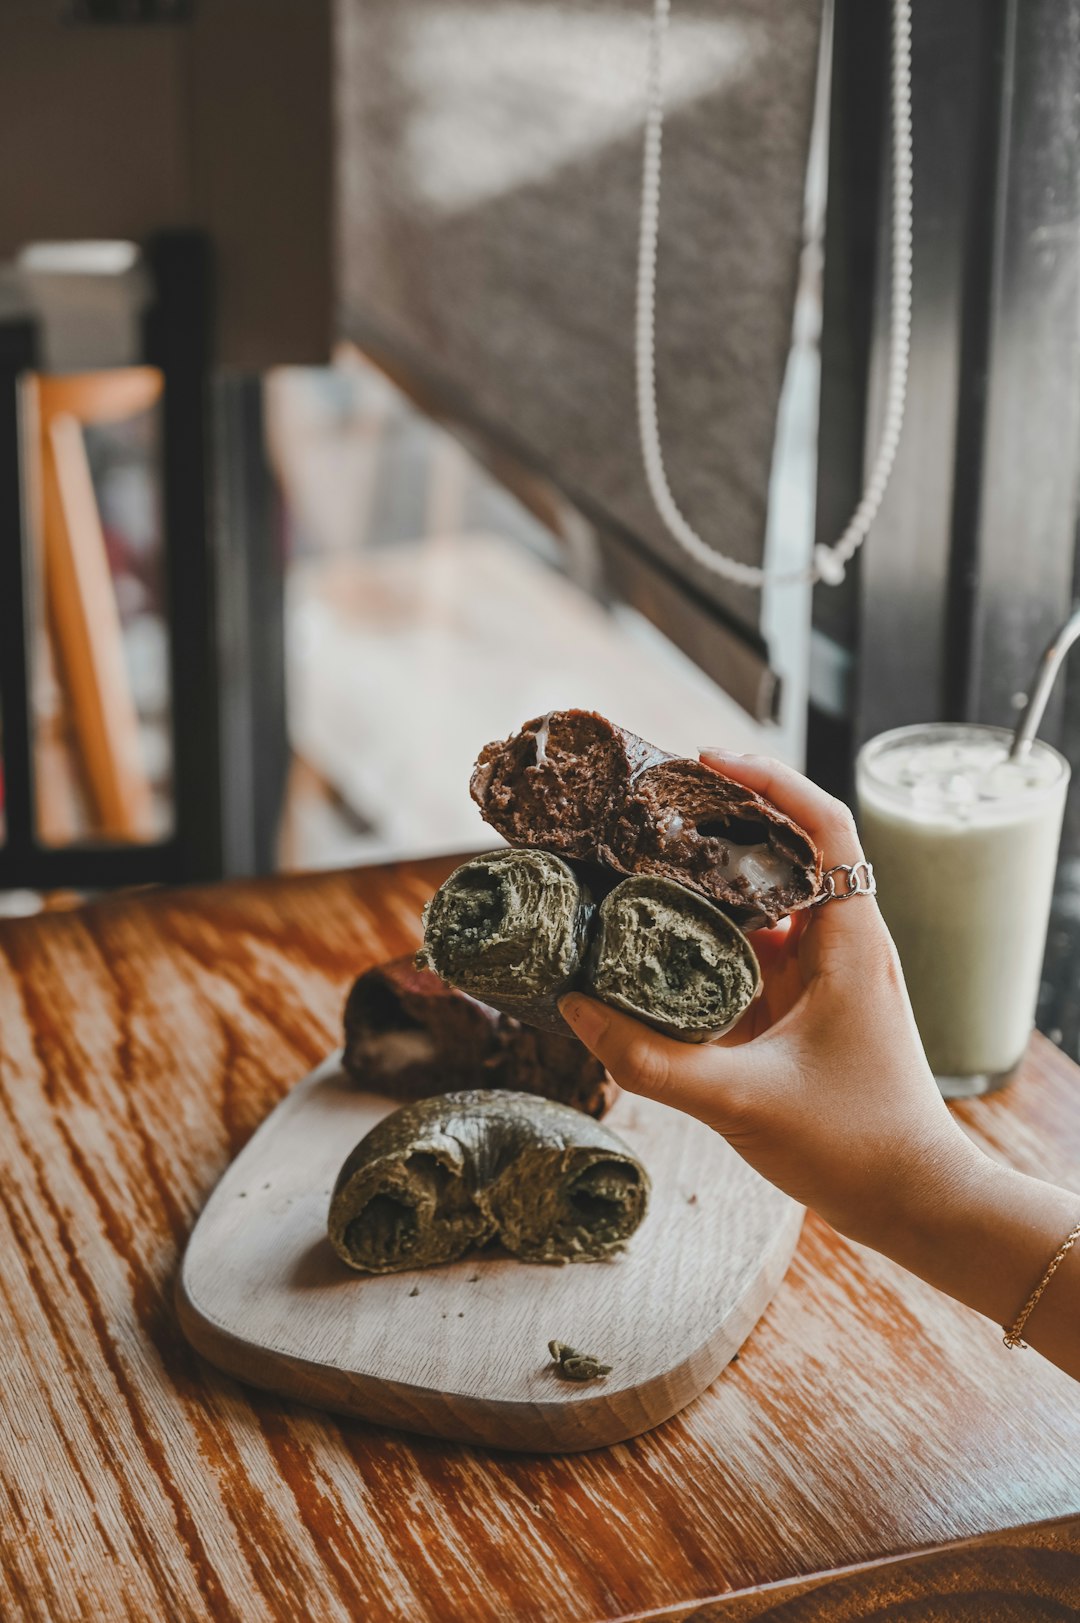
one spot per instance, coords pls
(142, 1040)
(461, 1351)
(1029, 1575)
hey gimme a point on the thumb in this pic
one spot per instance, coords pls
(687, 1076)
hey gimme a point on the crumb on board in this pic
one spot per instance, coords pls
(415, 1291)
(573, 1365)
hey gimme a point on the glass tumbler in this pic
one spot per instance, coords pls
(964, 845)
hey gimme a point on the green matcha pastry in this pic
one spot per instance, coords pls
(511, 928)
(437, 1178)
(519, 929)
(672, 959)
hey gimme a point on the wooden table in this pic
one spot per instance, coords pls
(142, 1039)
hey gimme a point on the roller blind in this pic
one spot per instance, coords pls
(489, 182)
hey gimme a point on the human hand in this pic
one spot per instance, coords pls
(823, 1086)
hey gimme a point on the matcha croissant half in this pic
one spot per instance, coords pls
(668, 957)
(519, 929)
(438, 1178)
(511, 928)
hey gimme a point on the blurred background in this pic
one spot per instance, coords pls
(318, 441)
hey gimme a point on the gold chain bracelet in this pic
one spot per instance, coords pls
(1014, 1332)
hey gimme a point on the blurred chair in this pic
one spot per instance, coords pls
(47, 492)
(82, 607)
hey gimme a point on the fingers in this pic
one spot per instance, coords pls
(777, 944)
(687, 1076)
(828, 821)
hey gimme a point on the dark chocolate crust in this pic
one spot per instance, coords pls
(443, 1176)
(556, 1067)
(575, 783)
(409, 1035)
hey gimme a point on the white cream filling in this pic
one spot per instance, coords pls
(394, 1051)
(542, 739)
(671, 828)
(761, 866)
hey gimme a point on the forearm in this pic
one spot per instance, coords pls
(984, 1234)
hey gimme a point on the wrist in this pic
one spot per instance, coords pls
(948, 1184)
(922, 1192)
(974, 1228)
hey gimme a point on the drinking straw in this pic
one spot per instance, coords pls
(1045, 676)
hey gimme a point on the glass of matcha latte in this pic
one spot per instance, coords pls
(964, 845)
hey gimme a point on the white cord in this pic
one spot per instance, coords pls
(829, 563)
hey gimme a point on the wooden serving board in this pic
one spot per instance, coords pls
(460, 1351)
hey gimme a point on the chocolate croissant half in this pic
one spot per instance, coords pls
(410, 1035)
(655, 949)
(574, 783)
(440, 1177)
